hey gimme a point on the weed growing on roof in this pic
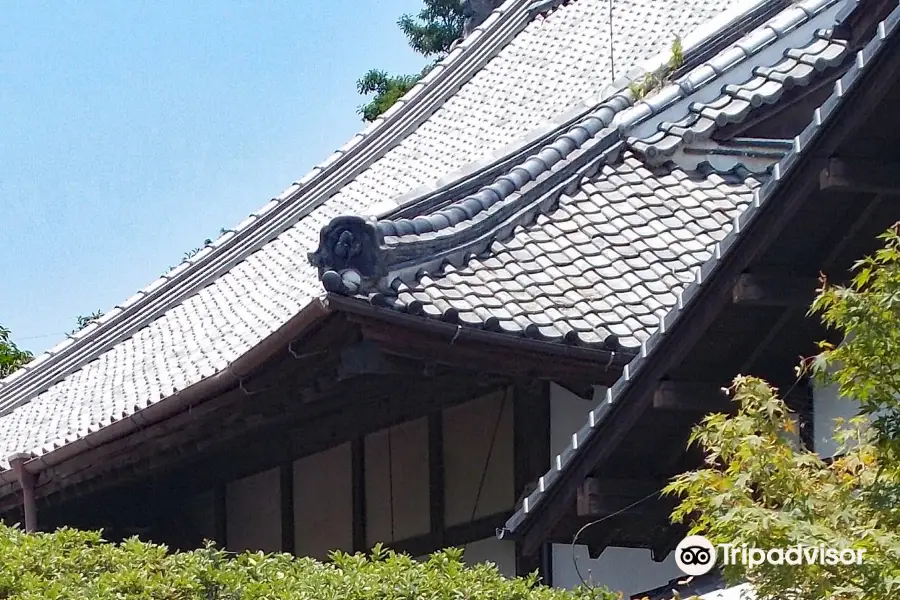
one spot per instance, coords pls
(654, 80)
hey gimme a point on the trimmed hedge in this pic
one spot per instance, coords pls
(77, 565)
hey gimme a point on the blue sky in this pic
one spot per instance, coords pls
(131, 131)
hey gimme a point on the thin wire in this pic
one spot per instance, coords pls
(612, 60)
(43, 335)
(629, 507)
(487, 460)
(600, 520)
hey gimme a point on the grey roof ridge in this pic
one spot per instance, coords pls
(431, 196)
(355, 255)
(403, 249)
(631, 372)
(729, 66)
(686, 135)
(277, 215)
(434, 195)
(704, 34)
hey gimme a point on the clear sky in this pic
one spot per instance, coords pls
(131, 131)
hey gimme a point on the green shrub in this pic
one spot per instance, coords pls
(76, 565)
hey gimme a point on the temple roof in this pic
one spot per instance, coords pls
(531, 75)
(590, 239)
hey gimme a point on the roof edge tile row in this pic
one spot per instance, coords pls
(277, 215)
(564, 461)
(359, 255)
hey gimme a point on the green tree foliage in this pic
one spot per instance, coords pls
(11, 357)
(73, 564)
(758, 489)
(430, 33)
(435, 28)
(387, 89)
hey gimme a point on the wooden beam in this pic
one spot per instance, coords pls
(519, 363)
(857, 105)
(628, 487)
(471, 348)
(585, 391)
(691, 396)
(782, 291)
(600, 540)
(867, 176)
(367, 358)
(456, 535)
(317, 428)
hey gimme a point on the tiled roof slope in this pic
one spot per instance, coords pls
(599, 268)
(519, 69)
(593, 238)
(858, 67)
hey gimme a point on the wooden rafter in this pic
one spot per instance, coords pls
(692, 396)
(711, 298)
(856, 175)
(777, 290)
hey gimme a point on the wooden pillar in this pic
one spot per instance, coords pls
(437, 498)
(531, 450)
(220, 516)
(26, 481)
(358, 491)
(286, 483)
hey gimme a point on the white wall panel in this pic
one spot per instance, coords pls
(500, 552)
(626, 570)
(568, 414)
(828, 405)
(397, 469)
(253, 509)
(323, 503)
(468, 434)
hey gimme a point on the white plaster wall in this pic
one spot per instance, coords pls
(626, 570)
(323, 503)
(468, 432)
(200, 510)
(568, 414)
(828, 405)
(500, 552)
(408, 470)
(253, 509)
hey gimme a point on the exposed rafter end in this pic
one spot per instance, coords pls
(668, 540)
(692, 396)
(774, 290)
(583, 390)
(865, 176)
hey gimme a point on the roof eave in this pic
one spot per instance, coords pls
(181, 400)
(856, 93)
